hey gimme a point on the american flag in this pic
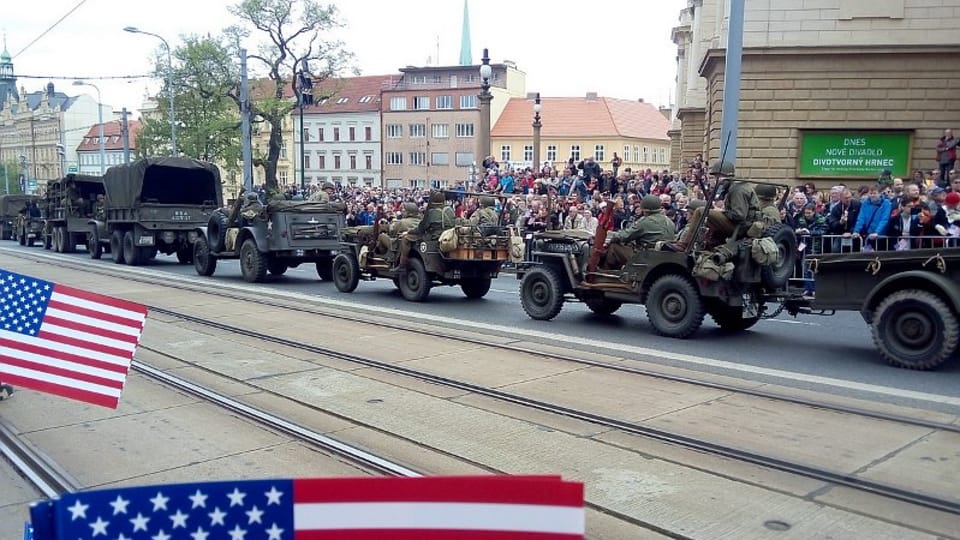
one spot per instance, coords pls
(430, 508)
(66, 341)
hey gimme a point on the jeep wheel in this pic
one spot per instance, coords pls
(276, 267)
(674, 307)
(217, 231)
(541, 293)
(775, 276)
(325, 270)
(915, 329)
(94, 247)
(185, 255)
(116, 246)
(203, 262)
(346, 272)
(476, 287)
(603, 306)
(730, 318)
(131, 253)
(414, 281)
(253, 265)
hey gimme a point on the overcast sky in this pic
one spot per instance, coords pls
(618, 48)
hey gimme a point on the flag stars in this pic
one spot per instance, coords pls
(99, 527)
(161, 536)
(199, 534)
(274, 532)
(119, 505)
(159, 502)
(273, 496)
(199, 500)
(237, 533)
(140, 522)
(236, 497)
(254, 515)
(216, 517)
(179, 519)
(78, 510)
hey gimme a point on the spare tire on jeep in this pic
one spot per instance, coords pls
(217, 231)
(775, 276)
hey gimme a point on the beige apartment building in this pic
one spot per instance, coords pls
(831, 90)
(431, 121)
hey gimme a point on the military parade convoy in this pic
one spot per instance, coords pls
(733, 264)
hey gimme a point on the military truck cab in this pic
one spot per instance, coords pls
(70, 208)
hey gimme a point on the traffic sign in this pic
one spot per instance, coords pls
(72, 169)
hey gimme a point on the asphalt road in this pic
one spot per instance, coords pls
(833, 354)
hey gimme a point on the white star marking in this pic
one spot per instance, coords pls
(119, 505)
(236, 497)
(237, 533)
(216, 517)
(254, 515)
(273, 496)
(78, 510)
(274, 532)
(140, 522)
(198, 499)
(179, 519)
(161, 536)
(99, 527)
(200, 534)
(159, 502)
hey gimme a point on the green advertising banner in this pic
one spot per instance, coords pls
(854, 153)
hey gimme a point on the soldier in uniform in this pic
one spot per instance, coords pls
(653, 227)
(769, 213)
(486, 215)
(409, 221)
(100, 208)
(741, 208)
(327, 193)
(438, 217)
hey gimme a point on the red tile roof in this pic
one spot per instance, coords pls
(111, 132)
(348, 94)
(583, 117)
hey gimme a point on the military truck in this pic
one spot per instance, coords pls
(70, 208)
(28, 227)
(270, 238)
(155, 205)
(11, 205)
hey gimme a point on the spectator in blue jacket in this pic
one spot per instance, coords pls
(874, 214)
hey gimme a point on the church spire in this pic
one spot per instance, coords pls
(466, 56)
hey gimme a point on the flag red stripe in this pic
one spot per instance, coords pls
(80, 327)
(100, 299)
(61, 355)
(60, 390)
(94, 314)
(484, 489)
(428, 534)
(84, 344)
(54, 370)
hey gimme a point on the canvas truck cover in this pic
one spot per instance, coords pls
(85, 184)
(164, 180)
(11, 205)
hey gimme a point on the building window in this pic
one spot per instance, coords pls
(439, 158)
(343, 100)
(321, 162)
(663, 155)
(398, 103)
(444, 102)
(464, 159)
(646, 155)
(626, 153)
(320, 134)
(418, 131)
(368, 133)
(353, 133)
(465, 130)
(369, 160)
(282, 176)
(366, 99)
(419, 79)
(283, 151)
(636, 154)
(336, 134)
(440, 131)
(353, 162)
(418, 158)
(504, 153)
(394, 131)
(368, 180)
(468, 102)
(306, 134)
(336, 162)
(394, 158)
(552, 153)
(421, 103)
(575, 152)
(528, 153)
(306, 161)
(598, 152)
(417, 183)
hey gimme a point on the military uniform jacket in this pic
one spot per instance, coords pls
(741, 205)
(647, 231)
(770, 214)
(403, 225)
(437, 218)
(485, 216)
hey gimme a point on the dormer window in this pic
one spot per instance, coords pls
(343, 100)
(366, 99)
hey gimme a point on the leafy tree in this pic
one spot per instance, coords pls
(293, 32)
(10, 177)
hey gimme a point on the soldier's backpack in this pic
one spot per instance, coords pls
(517, 247)
(765, 251)
(707, 268)
(448, 240)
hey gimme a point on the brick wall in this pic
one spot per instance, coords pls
(691, 134)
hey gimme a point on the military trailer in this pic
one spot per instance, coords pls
(155, 205)
(11, 206)
(70, 208)
(270, 238)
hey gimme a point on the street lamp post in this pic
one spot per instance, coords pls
(536, 134)
(173, 117)
(103, 152)
(485, 97)
(304, 98)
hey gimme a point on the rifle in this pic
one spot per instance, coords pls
(603, 222)
(710, 200)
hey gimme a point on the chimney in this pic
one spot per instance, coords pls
(591, 95)
(667, 112)
(640, 100)
(531, 95)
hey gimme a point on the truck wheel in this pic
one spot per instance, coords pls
(346, 272)
(131, 253)
(253, 265)
(325, 270)
(276, 268)
(203, 262)
(775, 276)
(116, 246)
(915, 329)
(476, 287)
(185, 255)
(94, 247)
(603, 306)
(541, 293)
(730, 318)
(414, 281)
(674, 307)
(217, 231)
(68, 242)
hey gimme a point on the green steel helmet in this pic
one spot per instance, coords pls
(328, 185)
(410, 209)
(722, 169)
(766, 192)
(696, 203)
(488, 201)
(437, 197)
(251, 197)
(651, 203)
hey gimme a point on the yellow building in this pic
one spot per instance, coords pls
(582, 127)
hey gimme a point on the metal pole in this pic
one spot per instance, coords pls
(485, 97)
(536, 135)
(173, 114)
(125, 134)
(245, 124)
(103, 151)
(303, 150)
(731, 81)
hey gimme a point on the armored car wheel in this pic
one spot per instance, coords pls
(674, 307)
(915, 329)
(325, 270)
(475, 288)
(603, 306)
(346, 272)
(203, 262)
(68, 242)
(116, 246)
(730, 318)
(132, 255)
(541, 293)
(253, 265)
(276, 268)
(414, 281)
(94, 247)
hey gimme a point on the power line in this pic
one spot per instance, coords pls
(54, 25)
(87, 78)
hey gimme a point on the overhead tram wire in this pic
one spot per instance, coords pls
(83, 77)
(54, 25)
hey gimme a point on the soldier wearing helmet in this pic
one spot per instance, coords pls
(438, 217)
(767, 194)
(653, 227)
(327, 193)
(741, 208)
(409, 221)
(487, 213)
